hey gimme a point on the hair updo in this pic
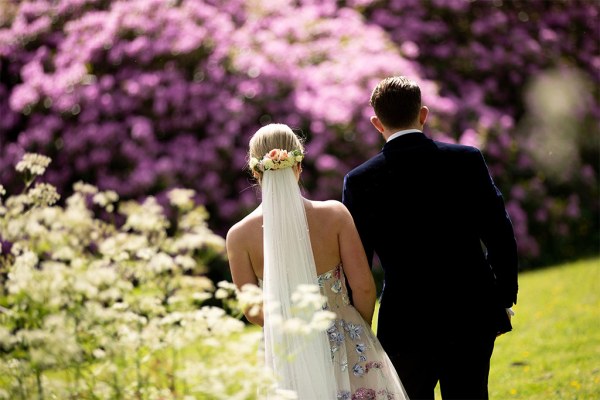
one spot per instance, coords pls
(273, 136)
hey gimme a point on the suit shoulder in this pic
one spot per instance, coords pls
(366, 166)
(460, 150)
(455, 147)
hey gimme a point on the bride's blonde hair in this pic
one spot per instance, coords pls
(273, 136)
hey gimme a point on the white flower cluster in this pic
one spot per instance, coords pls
(308, 316)
(106, 304)
(106, 199)
(146, 217)
(33, 163)
(44, 194)
(182, 198)
(250, 297)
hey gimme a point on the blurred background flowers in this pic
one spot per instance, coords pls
(142, 96)
(124, 128)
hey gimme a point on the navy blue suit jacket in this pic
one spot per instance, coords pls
(438, 224)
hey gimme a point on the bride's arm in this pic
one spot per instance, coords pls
(356, 267)
(241, 269)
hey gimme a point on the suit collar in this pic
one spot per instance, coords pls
(409, 139)
(400, 133)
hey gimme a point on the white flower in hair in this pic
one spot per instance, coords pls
(268, 164)
(253, 162)
(276, 159)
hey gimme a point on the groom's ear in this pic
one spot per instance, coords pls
(377, 124)
(423, 115)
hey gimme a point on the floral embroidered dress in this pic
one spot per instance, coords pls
(362, 368)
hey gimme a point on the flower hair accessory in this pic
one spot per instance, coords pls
(276, 159)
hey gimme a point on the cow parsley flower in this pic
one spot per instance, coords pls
(33, 163)
(43, 194)
(181, 198)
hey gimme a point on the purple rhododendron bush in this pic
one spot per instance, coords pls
(524, 78)
(143, 96)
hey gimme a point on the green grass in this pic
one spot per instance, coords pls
(553, 351)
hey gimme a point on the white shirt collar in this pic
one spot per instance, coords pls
(403, 132)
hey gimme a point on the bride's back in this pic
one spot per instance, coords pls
(325, 219)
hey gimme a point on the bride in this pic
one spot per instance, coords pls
(290, 241)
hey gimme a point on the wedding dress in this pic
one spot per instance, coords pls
(362, 368)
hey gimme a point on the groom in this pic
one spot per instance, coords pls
(435, 219)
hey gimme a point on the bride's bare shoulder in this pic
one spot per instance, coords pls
(328, 204)
(246, 227)
(332, 208)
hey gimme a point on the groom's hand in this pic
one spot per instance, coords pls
(509, 313)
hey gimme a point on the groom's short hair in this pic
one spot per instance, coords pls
(396, 101)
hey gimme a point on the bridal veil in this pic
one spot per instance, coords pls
(301, 362)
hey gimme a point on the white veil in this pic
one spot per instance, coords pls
(302, 363)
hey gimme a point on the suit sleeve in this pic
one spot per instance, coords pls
(359, 216)
(497, 234)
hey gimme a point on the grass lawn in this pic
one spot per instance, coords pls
(553, 352)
